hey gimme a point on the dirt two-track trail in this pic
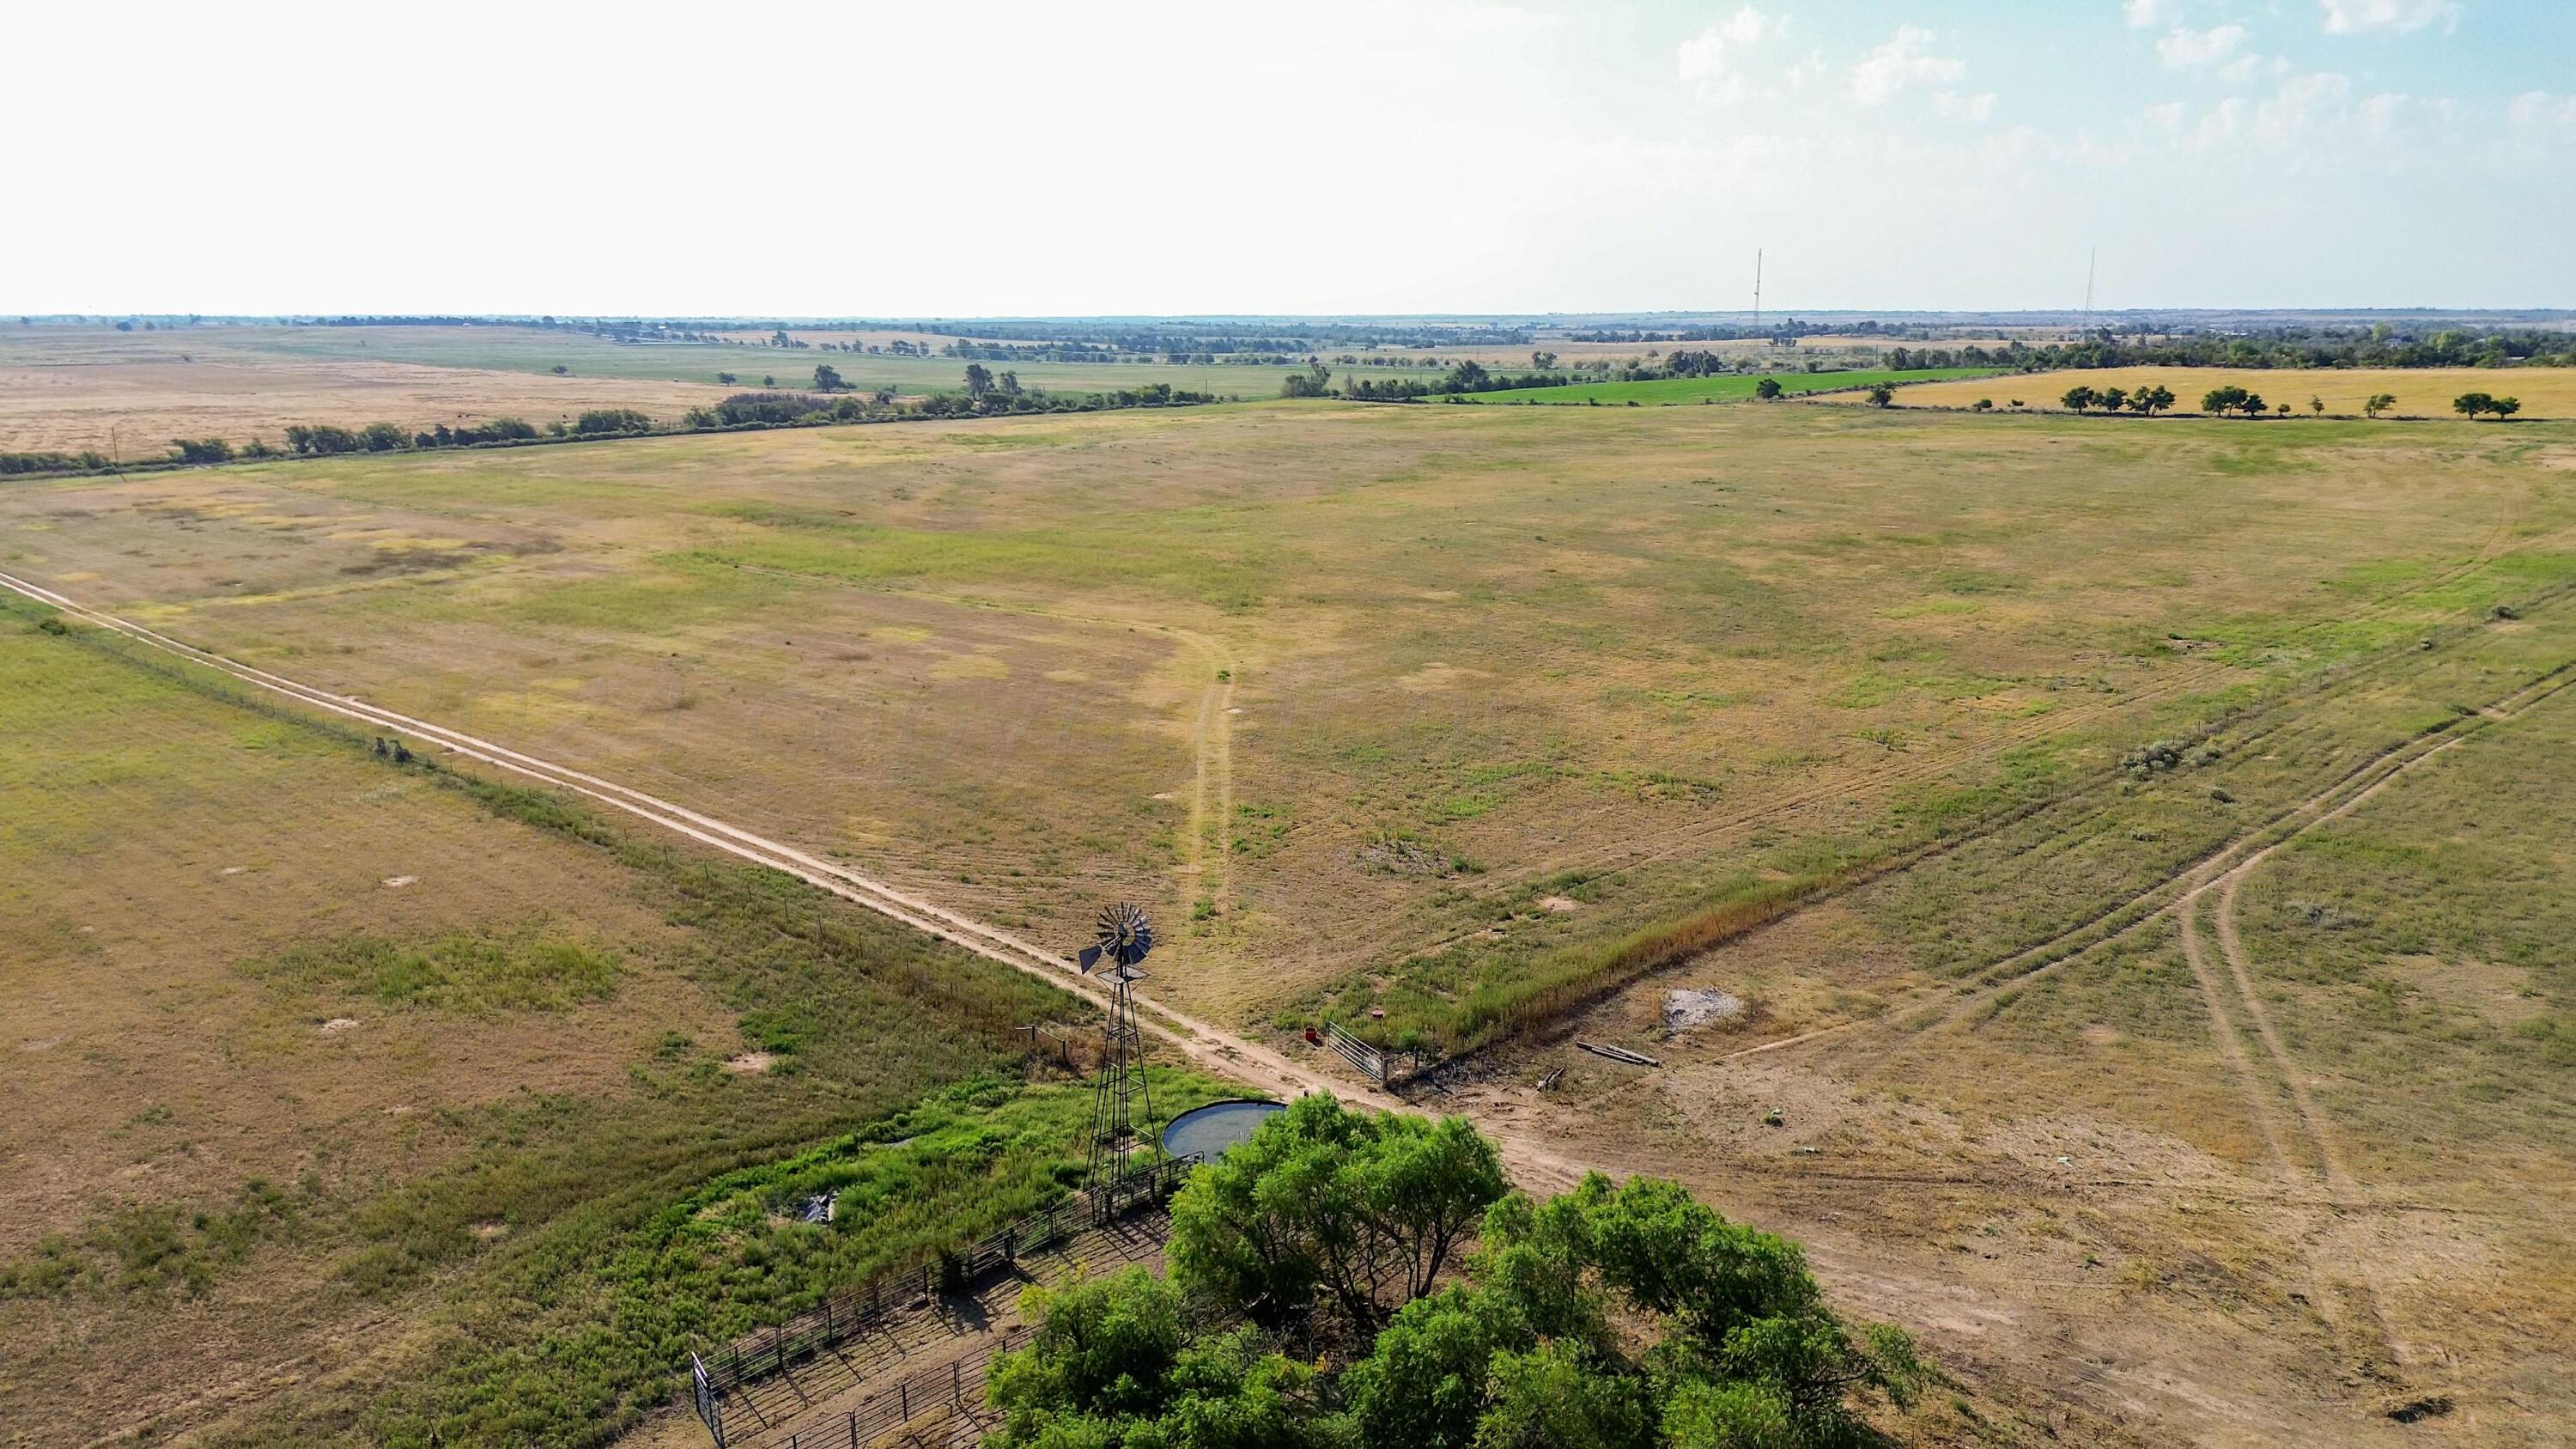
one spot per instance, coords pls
(1203, 1043)
(2298, 1139)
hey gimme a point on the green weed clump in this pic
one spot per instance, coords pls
(535, 969)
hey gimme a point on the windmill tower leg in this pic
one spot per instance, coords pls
(1122, 937)
(1116, 1094)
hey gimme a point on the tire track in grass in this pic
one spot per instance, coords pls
(1947, 1004)
(2231, 1047)
(1685, 836)
(2242, 854)
(1205, 1045)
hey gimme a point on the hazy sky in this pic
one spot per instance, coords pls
(988, 158)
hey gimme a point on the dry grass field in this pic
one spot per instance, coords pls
(128, 394)
(65, 389)
(2283, 1161)
(2546, 392)
(338, 1086)
(1349, 689)
(2217, 1091)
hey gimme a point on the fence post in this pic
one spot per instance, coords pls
(956, 1384)
(905, 1389)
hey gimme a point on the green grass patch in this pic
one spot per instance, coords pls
(538, 968)
(1729, 387)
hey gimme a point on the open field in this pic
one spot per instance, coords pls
(344, 1090)
(2294, 1129)
(1409, 669)
(538, 350)
(2546, 392)
(1663, 391)
(1484, 717)
(65, 389)
(1852, 349)
(131, 410)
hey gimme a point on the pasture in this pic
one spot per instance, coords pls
(127, 394)
(2313, 1112)
(1485, 726)
(530, 349)
(1666, 391)
(2546, 392)
(1399, 709)
(343, 1090)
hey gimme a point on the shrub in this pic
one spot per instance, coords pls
(321, 440)
(51, 462)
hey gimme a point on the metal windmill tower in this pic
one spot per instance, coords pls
(1120, 938)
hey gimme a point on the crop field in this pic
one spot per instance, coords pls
(2241, 1060)
(2546, 392)
(539, 350)
(1663, 391)
(66, 389)
(131, 411)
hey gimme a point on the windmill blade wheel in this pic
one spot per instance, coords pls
(1122, 934)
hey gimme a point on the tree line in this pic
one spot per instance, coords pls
(985, 395)
(1466, 376)
(2380, 345)
(2245, 402)
(1346, 1280)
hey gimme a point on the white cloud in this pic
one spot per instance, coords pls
(2400, 17)
(2540, 108)
(1898, 63)
(2186, 47)
(2302, 105)
(2379, 115)
(2247, 67)
(2302, 118)
(2148, 14)
(1974, 108)
(1704, 60)
(1806, 75)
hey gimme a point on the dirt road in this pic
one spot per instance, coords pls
(1208, 1046)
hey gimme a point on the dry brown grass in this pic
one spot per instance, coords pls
(2546, 392)
(2081, 1164)
(1629, 660)
(1632, 659)
(164, 850)
(135, 407)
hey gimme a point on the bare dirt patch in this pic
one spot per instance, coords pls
(1685, 1009)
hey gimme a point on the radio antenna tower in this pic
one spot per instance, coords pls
(1757, 289)
(1120, 939)
(2090, 254)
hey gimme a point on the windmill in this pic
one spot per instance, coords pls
(1120, 938)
